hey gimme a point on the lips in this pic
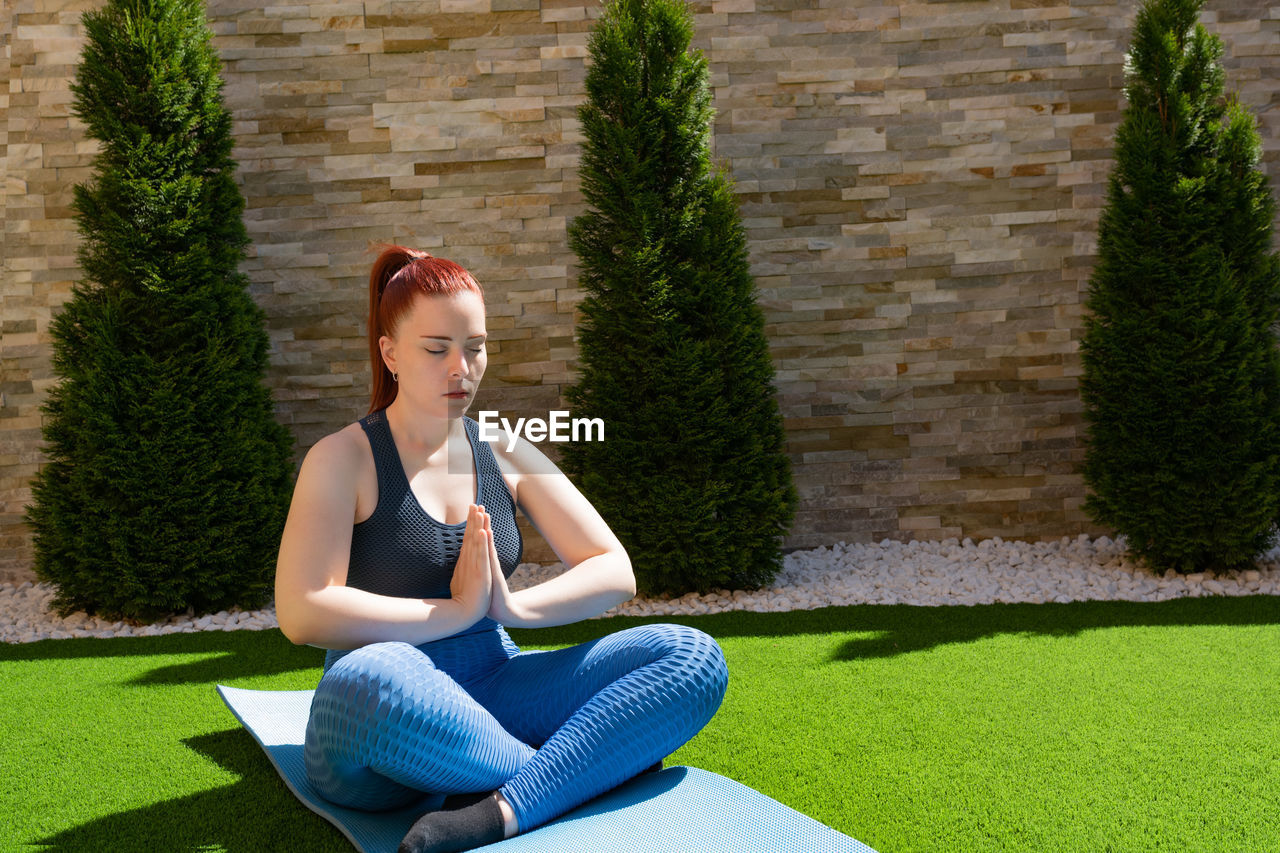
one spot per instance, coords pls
(456, 395)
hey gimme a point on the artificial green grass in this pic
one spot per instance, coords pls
(1085, 726)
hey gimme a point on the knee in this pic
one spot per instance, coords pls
(378, 668)
(697, 658)
(377, 658)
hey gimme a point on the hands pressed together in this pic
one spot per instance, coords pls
(478, 586)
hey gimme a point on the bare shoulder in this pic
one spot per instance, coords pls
(518, 458)
(352, 454)
(342, 448)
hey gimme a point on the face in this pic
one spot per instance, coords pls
(439, 350)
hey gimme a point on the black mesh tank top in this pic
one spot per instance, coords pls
(400, 550)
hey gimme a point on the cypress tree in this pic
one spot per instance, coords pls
(168, 478)
(1181, 380)
(691, 475)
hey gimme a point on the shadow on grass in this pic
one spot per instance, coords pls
(901, 629)
(256, 813)
(897, 629)
(226, 655)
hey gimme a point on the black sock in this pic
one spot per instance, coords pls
(452, 831)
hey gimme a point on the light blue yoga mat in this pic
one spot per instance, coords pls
(676, 810)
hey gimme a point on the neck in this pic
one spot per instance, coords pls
(423, 434)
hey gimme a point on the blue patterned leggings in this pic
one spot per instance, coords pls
(550, 729)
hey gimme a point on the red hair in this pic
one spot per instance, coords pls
(398, 277)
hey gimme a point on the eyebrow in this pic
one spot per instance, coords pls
(442, 338)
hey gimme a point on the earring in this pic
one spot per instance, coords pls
(395, 377)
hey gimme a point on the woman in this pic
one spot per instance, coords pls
(395, 557)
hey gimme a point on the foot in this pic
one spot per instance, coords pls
(452, 831)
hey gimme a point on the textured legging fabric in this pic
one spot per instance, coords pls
(550, 729)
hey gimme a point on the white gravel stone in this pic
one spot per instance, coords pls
(949, 572)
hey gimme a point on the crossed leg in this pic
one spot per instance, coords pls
(386, 724)
(601, 712)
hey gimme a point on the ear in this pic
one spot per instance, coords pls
(388, 348)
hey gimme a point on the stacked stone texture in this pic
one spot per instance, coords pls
(920, 183)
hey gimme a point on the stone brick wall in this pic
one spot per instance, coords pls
(920, 184)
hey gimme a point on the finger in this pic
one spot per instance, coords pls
(488, 528)
(475, 521)
(495, 565)
(472, 536)
(468, 532)
(486, 535)
(493, 548)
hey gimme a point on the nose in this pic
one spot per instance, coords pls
(458, 364)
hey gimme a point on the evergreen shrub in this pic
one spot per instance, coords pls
(168, 478)
(692, 474)
(1181, 380)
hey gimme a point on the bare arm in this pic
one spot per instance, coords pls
(599, 574)
(313, 604)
